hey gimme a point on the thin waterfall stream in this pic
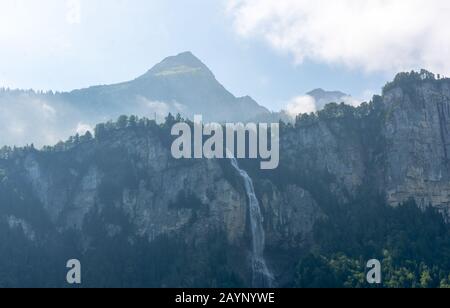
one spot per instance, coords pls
(262, 277)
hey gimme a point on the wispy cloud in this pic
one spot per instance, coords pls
(373, 35)
(301, 104)
(83, 128)
(30, 118)
(73, 12)
(307, 104)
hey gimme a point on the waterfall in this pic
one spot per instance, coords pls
(262, 277)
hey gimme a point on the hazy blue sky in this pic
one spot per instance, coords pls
(271, 50)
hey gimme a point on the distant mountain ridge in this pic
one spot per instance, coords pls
(313, 101)
(179, 84)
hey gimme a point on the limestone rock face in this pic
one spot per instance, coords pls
(326, 148)
(158, 194)
(290, 216)
(131, 181)
(417, 133)
(397, 147)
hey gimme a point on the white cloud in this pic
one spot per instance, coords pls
(375, 35)
(350, 100)
(158, 109)
(307, 104)
(368, 94)
(301, 104)
(32, 118)
(73, 12)
(180, 108)
(48, 111)
(33, 32)
(152, 109)
(83, 128)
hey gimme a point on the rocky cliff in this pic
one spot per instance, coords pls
(417, 132)
(130, 169)
(396, 146)
(124, 184)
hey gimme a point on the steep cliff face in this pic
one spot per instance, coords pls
(136, 174)
(337, 166)
(327, 148)
(417, 132)
(397, 146)
(131, 172)
(287, 226)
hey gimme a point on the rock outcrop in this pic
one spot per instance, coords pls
(417, 133)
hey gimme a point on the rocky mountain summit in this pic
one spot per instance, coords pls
(323, 97)
(178, 84)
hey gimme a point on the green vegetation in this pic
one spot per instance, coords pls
(414, 248)
(409, 80)
(413, 245)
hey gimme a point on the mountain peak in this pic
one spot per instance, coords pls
(323, 97)
(185, 63)
(321, 92)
